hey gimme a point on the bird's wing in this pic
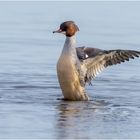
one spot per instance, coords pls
(96, 60)
(86, 52)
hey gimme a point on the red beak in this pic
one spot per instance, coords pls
(57, 31)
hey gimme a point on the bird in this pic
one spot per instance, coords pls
(78, 66)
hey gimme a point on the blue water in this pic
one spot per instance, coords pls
(28, 83)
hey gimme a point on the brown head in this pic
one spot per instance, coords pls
(69, 28)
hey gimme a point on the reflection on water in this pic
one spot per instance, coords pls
(29, 89)
(71, 114)
(79, 119)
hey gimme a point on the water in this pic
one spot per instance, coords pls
(28, 83)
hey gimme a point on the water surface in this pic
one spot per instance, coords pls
(29, 87)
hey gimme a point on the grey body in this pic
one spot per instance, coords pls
(78, 66)
(70, 73)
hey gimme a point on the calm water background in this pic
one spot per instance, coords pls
(28, 83)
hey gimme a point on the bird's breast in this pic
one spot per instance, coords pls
(66, 67)
(68, 77)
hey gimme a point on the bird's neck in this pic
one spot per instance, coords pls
(69, 46)
(70, 41)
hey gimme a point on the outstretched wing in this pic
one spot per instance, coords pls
(96, 60)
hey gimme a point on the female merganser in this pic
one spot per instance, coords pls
(78, 66)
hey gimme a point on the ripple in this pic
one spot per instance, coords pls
(34, 87)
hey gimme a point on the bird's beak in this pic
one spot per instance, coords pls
(58, 31)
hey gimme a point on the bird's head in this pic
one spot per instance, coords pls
(68, 28)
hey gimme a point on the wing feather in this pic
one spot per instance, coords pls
(97, 63)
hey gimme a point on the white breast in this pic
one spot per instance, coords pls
(68, 75)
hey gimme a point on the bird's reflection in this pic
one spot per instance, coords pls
(70, 114)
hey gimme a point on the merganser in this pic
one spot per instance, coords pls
(78, 66)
